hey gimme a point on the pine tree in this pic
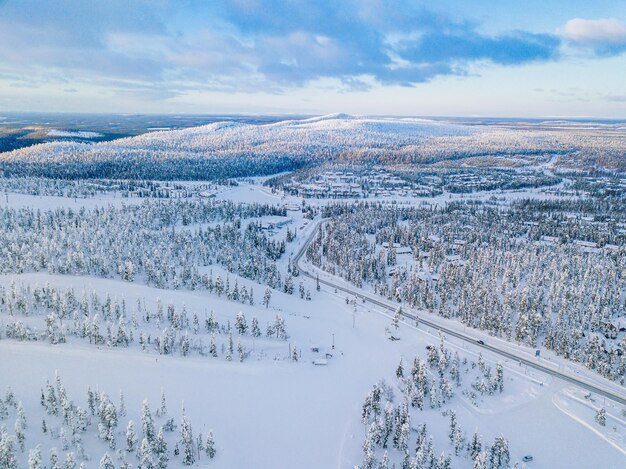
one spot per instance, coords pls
(400, 370)
(106, 463)
(185, 345)
(19, 434)
(51, 400)
(267, 296)
(240, 323)
(499, 379)
(131, 437)
(403, 442)
(70, 461)
(7, 451)
(145, 455)
(213, 346)
(369, 456)
(63, 438)
(240, 350)
(186, 436)
(230, 349)
(122, 411)
(160, 450)
(388, 424)
(256, 331)
(54, 459)
(499, 453)
(210, 446)
(453, 426)
(459, 442)
(34, 458)
(163, 408)
(480, 461)
(475, 447)
(384, 462)
(147, 424)
(601, 416)
(4, 411)
(21, 415)
(445, 462)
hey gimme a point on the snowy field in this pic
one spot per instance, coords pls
(271, 410)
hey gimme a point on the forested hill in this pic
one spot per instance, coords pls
(232, 149)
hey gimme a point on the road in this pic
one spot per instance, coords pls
(389, 306)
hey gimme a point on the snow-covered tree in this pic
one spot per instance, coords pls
(131, 437)
(34, 458)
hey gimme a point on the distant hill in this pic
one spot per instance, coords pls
(231, 149)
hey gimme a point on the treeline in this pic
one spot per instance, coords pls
(164, 243)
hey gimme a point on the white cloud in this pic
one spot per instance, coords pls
(607, 32)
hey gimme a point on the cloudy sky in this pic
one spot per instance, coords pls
(463, 57)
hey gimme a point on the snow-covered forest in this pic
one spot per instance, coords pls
(328, 292)
(530, 271)
(166, 243)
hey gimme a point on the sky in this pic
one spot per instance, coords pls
(531, 58)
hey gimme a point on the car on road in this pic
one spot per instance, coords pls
(527, 458)
(480, 342)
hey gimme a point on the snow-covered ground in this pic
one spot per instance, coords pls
(272, 412)
(73, 133)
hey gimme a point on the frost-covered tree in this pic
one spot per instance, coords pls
(209, 447)
(186, 439)
(70, 461)
(122, 411)
(256, 331)
(163, 409)
(267, 296)
(19, 434)
(131, 437)
(106, 462)
(475, 446)
(160, 450)
(145, 455)
(240, 323)
(147, 424)
(7, 450)
(34, 458)
(499, 453)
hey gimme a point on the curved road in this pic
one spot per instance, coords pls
(617, 397)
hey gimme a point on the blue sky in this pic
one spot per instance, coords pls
(468, 58)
